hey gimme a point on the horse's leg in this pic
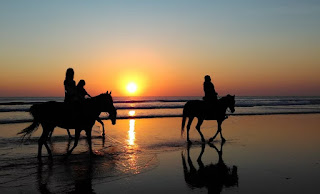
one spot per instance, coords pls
(69, 134)
(193, 170)
(188, 128)
(48, 150)
(199, 160)
(200, 121)
(76, 139)
(215, 135)
(88, 133)
(99, 120)
(220, 131)
(50, 134)
(42, 140)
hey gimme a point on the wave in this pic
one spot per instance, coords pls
(178, 106)
(115, 101)
(177, 115)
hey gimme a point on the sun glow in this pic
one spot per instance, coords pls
(132, 113)
(132, 87)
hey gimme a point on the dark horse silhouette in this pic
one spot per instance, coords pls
(212, 176)
(78, 116)
(199, 109)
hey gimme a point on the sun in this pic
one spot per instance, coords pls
(132, 87)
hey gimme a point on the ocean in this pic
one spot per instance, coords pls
(149, 155)
(15, 109)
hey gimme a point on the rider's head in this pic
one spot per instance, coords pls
(81, 83)
(69, 74)
(207, 78)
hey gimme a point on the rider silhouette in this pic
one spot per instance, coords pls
(69, 86)
(81, 92)
(210, 94)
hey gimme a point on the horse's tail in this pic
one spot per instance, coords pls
(184, 117)
(27, 132)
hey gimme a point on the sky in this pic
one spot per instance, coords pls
(248, 47)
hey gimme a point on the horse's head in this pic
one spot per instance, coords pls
(231, 102)
(107, 106)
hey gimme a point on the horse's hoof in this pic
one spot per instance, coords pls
(223, 140)
(203, 140)
(211, 140)
(93, 155)
(189, 142)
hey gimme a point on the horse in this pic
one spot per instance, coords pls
(199, 109)
(78, 116)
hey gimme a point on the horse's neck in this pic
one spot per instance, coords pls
(92, 105)
(223, 104)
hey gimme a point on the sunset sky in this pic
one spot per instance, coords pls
(165, 47)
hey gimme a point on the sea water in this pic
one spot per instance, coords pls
(16, 109)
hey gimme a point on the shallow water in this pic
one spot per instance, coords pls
(268, 154)
(15, 110)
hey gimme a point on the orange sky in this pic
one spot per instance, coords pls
(165, 47)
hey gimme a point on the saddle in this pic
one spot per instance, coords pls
(210, 110)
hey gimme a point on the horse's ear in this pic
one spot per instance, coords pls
(110, 92)
(107, 92)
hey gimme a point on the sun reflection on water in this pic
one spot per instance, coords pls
(131, 133)
(131, 148)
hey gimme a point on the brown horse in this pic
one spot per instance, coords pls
(78, 116)
(199, 109)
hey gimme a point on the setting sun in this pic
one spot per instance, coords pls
(132, 87)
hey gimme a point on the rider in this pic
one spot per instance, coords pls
(210, 94)
(210, 97)
(81, 92)
(69, 86)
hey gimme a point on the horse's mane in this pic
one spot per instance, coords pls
(225, 97)
(98, 97)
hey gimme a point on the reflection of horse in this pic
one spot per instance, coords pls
(199, 109)
(68, 175)
(212, 176)
(78, 116)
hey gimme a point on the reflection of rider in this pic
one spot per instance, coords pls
(210, 94)
(214, 177)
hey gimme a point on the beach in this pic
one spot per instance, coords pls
(262, 154)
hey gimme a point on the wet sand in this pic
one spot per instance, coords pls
(263, 154)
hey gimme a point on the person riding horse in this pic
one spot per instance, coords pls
(210, 95)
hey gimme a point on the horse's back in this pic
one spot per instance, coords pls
(193, 107)
(203, 109)
(64, 115)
